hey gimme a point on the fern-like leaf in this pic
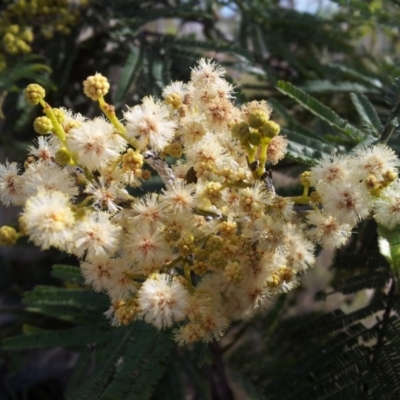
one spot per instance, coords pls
(321, 111)
(60, 297)
(129, 74)
(67, 273)
(304, 149)
(367, 113)
(326, 86)
(392, 96)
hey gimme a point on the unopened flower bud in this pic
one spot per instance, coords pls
(8, 39)
(390, 176)
(63, 157)
(270, 129)
(29, 161)
(305, 178)
(34, 93)
(42, 125)
(132, 160)
(233, 272)
(27, 35)
(274, 280)
(22, 225)
(257, 119)
(71, 125)
(59, 114)
(174, 150)
(241, 131)
(14, 29)
(174, 100)
(22, 46)
(96, 86)
(371, 182)
(8, 236)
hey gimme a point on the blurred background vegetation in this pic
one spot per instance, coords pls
(345, 54)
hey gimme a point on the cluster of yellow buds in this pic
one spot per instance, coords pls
(20, 18)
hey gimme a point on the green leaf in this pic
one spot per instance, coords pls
(321, 111)
(82, 299)
(367, 113)
(356, 75)
(79, 373)
(392, 95)
(306, 150)
(67, 273)
(151, 368)
(325, 86)
(129, 367)
(129, 73)
(76, 337)
(356, 283)
(107, 362)
(69, 313)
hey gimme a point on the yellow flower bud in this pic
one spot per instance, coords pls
(34, 93)
(14, 29)
(257, 119)
(372, 182)
(60, 115)
(22, 46)
(22, 224)
(43, 125)
(30, 160)
(270, 129)
(132, 160)
(241, 131)
(63, 157)
(96, 86)
(186, 245)
(390, 176)
(27, 35)
(71, 125)
(8, 236)
(8, 39)
(305, 178)
(174, 150)
(233, 272)
(174, 100)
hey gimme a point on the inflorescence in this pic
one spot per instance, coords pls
(216, 244)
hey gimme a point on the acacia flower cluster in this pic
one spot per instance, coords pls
(216, 244)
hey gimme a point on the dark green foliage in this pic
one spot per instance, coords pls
(321, 111)
(306, 149)
(367, 113)
(67, 273)
(123, 363)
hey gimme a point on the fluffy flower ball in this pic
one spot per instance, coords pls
(162, 301)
